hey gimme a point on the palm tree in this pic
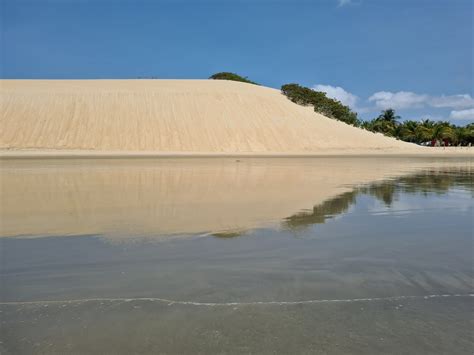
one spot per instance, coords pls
(464, 135)
(386, 122)
(419, 132)
(409, 133)
(424, 131)
(428, 123)
(382, 126)
(389, 116)
(441, 131)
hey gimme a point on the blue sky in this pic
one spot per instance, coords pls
(413, 55)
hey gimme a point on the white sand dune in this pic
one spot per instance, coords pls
(170, 116)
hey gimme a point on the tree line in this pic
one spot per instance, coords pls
(425, 132)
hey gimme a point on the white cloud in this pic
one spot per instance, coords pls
(462, 114)
(461, 105)
(398, 100)
(338, 93)
(408, 99)
(342, 3)
(453, 101)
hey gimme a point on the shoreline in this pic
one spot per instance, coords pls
(421, 152)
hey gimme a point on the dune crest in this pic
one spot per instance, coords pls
(170, 116)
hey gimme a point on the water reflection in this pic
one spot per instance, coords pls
(322, 212)
(129, 199)
(438, 181)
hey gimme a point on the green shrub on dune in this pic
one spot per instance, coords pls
(321, 103)
(231, 76)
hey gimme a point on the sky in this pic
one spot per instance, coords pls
(415, 56)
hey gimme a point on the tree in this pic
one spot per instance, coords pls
(436, 131)
(424, 130)
(386, 123)
(442, 131)
(464, 135)
(389, 116)
(409, 132)
(382, 126)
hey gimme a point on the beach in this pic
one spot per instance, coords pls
(209, 215)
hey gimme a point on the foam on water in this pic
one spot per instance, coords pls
(216, 304)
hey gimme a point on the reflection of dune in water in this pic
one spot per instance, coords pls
(132, 198)
(439, 180)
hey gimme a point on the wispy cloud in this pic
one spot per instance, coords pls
(341, 3)
(462, 114)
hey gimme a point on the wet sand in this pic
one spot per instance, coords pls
(437, 326)
(417, 152)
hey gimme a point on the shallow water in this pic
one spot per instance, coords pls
(237, 256)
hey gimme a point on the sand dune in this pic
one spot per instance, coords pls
(170, 116)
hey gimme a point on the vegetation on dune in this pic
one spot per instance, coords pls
(231, 76)
(425, 132)
(321, 103)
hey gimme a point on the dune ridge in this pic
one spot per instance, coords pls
(170, 117)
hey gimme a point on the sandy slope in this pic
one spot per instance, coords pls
(170, 116)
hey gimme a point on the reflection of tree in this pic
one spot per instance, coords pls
(437, 181)
(430, 181)
(320, 213)
(228, 234)
(384, 191)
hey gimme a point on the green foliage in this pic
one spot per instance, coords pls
(389, 116)
(464, 135)
(322, 104)
(420, 132)
(231, 76)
